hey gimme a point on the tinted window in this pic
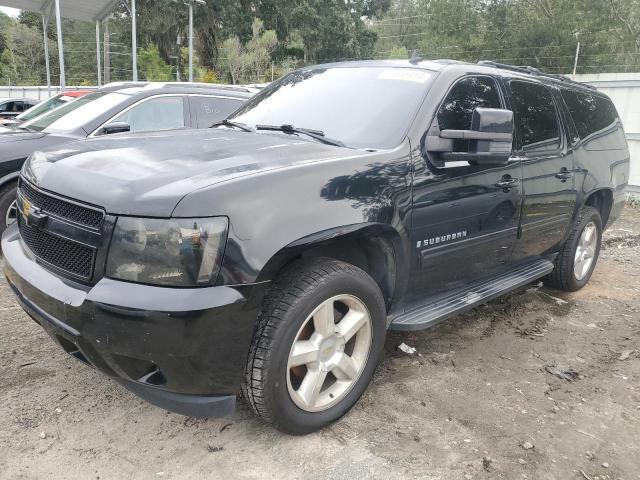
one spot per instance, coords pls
(465, 96)
(590, 113)
(210, 110)
(10, 107)
(160, 113)
(535, 116)
(365, 107)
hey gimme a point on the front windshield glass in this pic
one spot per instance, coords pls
(364, 107)
(70, 116)
(42, 107)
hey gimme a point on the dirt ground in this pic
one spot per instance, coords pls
(475, 403)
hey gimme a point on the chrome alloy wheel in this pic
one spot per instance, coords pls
(329, 353)
(585, 251)
(12, 214)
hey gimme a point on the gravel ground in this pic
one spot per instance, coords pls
(476, 402)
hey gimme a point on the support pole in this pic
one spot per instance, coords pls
(134, 42)
(60, 48)
(575, 64)
(106, 55)
(98, 52)
(191, 41)
(45, 23)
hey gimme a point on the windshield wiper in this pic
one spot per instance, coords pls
(316, 134)
(229, 123)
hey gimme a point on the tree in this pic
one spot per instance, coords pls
(248, 63)
(152, 67)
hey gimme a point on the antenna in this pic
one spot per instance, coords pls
(415, 58)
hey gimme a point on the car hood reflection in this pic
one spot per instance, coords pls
(148, 174)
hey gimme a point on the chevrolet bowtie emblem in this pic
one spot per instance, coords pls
(33, 216)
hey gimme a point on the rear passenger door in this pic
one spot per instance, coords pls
(207, 109)
(547, 168)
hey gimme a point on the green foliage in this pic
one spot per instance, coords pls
(155, 69)
(8, 72)
(540, 33)
(248, 63)
(251, 40)
(398, 53)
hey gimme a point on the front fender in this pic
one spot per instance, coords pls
(272, 210)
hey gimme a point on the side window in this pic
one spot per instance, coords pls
(535, 116)
(160, 113)
(590, 113)
(210, 110)
(464, 97)
(7, 107)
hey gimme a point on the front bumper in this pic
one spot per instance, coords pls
(183, 349)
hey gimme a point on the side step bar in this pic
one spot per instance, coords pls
(441, 306)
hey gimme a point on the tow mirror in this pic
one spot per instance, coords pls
(116, 127)
(490, 139)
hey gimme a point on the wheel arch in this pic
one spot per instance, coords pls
(601, 200)
(10, 177)
(376, 248)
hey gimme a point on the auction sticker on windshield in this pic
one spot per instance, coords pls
(406, 74)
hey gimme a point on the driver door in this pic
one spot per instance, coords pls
(464, 224)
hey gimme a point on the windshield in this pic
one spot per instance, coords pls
(43, 107)
(71, 115)
(364, 107)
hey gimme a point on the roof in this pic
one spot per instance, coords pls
(77, 9)
(434, 65)
(133, 88)
(482, 66)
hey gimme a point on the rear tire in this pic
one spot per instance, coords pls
(316, 304)
(8, 209)
(578, 257)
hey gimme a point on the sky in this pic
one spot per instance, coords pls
(12, 12)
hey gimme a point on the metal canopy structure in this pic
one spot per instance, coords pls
(94, 10)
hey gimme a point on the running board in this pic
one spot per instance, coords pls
(441, 306)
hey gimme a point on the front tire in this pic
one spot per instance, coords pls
(8, 209)
(577, 259)
(318, 340)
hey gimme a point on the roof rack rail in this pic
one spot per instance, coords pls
(533, 71)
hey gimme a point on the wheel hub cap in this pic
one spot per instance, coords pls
(330, 348)
(329, 353)
(585, 251)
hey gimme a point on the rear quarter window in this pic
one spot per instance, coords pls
(596, 120)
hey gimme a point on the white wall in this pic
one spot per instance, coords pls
(624, 90)
(38, 93)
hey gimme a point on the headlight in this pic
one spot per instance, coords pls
(178, 252)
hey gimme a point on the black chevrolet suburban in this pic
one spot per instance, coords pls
(271, 253)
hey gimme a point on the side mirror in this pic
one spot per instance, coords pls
(115, 127)
(490, 139)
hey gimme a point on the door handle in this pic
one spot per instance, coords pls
(564, 174)
(507, 182)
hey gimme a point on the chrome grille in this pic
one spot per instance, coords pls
(85, 216)
(58, 252)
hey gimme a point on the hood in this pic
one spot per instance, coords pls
(19, 144)
(148, 174)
